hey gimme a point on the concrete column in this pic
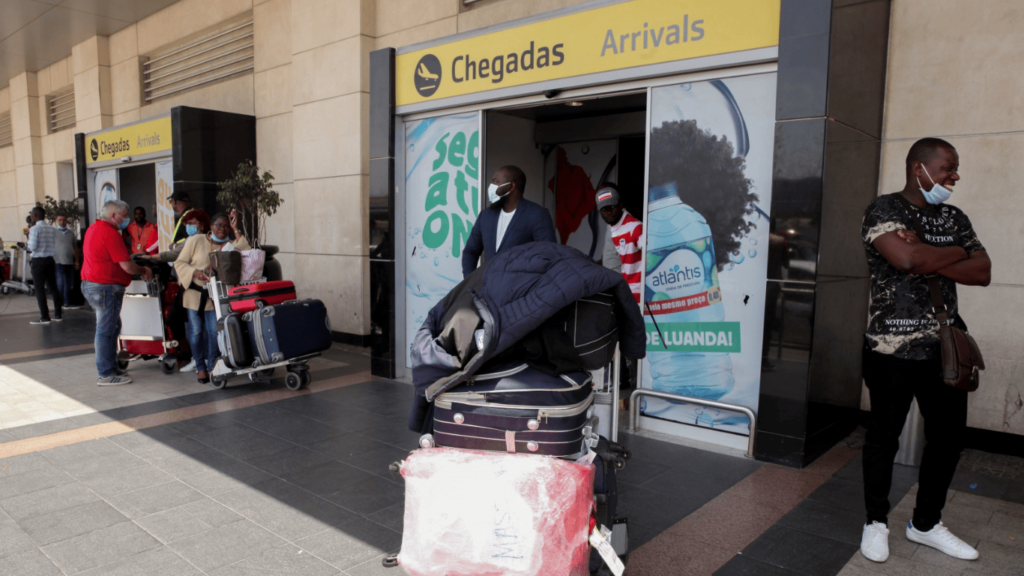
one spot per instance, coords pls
(330, 45)
(90, 62)
(26, 128)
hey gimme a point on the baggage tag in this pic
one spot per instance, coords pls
(588, 458)
(599, 540)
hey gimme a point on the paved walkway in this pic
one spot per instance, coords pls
(166, 476)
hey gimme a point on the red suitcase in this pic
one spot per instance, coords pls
(244, 298)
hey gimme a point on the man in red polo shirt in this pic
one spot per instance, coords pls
(106, 271)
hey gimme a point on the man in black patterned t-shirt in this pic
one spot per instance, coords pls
(901, 353)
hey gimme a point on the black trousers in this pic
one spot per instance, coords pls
(893, 384)
(44, 276)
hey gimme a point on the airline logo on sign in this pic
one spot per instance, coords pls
(133, 140)
(625, 35)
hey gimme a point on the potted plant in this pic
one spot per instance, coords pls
(66, 208)
(252, 195)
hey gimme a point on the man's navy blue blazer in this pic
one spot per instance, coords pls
(530, 223)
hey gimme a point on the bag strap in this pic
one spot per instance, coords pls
(938, 302)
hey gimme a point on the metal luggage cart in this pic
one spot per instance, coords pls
(144, 333)
(298, 371)
(19, 267)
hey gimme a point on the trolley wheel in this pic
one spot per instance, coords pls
(122, 360)
(306, 378)
(389, 561)
(293, 381)
(219, 382)
(168, 363)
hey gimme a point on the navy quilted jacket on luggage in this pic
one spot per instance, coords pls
(518, 291)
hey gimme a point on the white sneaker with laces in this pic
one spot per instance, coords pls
(114, 381)
(940, 538)
(874, 543)
(190, 367)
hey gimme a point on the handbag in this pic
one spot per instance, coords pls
(252, 264)
(228, 266)
(961, 357)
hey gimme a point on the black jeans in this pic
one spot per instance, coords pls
(893, 383)
(44, 276)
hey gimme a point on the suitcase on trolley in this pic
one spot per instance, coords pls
(516, 408)
(249, 297)
(469, 513)
(233, 341)
(289, 330)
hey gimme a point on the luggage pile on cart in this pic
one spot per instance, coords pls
(516, 375)
(17, 273)
(261, 326)
(146, 321)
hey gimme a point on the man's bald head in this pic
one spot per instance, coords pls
(515, 175)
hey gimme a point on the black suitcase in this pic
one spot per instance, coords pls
(233, 341)
(610, 458)
(289, 330)
(516, 408)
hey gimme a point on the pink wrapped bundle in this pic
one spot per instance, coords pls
(471, 513)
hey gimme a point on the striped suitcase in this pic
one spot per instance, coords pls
(516, 409)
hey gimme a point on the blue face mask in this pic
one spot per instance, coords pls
(216, 239)
(191, 229)
(938, 194)
(62, 228)
(124, 224)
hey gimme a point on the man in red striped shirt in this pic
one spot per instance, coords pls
(626, 233)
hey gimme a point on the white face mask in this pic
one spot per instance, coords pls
(938, 194)
(492, 192)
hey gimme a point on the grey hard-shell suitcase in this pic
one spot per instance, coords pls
(516, 408)
(233, 341)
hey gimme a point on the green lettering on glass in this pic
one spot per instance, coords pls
(460, 234)
(442, 151)
(434, 239)
(461, 185)
(437, 193)
(457, 149)
(473, 158)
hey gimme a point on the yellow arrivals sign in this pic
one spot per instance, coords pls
(625, 35)
(133, 140)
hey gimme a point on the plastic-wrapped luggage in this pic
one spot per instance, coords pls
(515, 408)
(469, 513)
(288, 330)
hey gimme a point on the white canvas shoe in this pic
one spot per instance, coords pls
(190, 367)
(874, 543)
(940, 538)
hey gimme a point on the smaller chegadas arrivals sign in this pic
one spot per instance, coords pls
(133, 140)
(626, 35)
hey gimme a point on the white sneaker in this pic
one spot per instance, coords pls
(190, 367)
(114, 381)
(940, 538)
(874, 543)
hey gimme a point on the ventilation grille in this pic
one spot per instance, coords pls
(6, 134)
(216, 55)
(60, 110)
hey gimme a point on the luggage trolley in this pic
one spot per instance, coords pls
(229, 337)
(19, 267)
(144, 331)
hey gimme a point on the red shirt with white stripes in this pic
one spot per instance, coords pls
(627, 236)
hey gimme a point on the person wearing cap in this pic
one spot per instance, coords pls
(625, 234)
(182, 205)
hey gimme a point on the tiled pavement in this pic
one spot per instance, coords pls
(255, 479)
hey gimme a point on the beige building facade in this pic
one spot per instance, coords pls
(953, 72)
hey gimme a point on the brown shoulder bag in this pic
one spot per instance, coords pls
(961, 358)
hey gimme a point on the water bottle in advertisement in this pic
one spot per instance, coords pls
(682, 286)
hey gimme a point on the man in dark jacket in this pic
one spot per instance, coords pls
(509, 221)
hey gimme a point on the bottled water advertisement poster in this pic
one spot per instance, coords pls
(709, 196)
(442, 201)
